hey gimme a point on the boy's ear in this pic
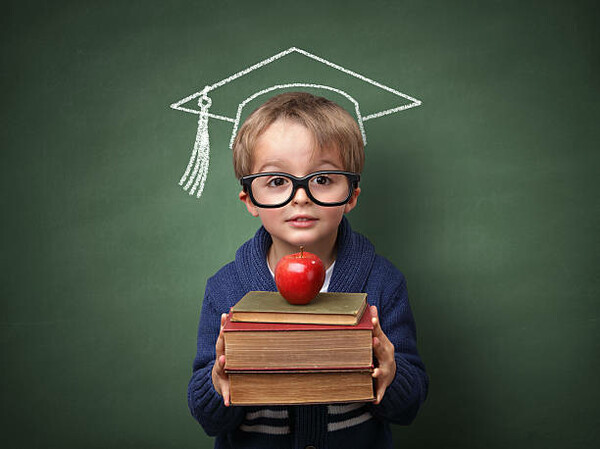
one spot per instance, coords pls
(245, 198)
(352, 203)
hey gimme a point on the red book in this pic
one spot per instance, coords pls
(297, 347)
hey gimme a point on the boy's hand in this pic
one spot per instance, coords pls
(384, 352)
(220, 379)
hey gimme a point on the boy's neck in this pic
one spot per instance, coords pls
(277, 251)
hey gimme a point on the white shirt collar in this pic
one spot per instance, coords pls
(328, 274)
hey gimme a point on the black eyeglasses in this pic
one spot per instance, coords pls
(325, 188)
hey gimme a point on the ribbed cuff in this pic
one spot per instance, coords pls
(206, 405)
(401, 392)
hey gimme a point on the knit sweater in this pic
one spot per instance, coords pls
(359, 425)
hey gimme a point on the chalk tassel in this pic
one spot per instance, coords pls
(199, 159)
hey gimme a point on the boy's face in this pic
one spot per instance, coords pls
(287, 147)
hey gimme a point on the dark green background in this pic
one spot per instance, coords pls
(486, 197)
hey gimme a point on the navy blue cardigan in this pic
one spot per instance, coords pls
(357, 269)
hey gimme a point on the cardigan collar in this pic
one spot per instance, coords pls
(355, 256)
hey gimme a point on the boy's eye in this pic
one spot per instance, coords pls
(277, 182)
(322, 180)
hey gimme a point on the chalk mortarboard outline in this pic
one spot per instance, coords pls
(199, 159)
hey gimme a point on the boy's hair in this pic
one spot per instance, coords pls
(330, 125)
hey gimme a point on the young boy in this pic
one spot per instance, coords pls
(299, 137)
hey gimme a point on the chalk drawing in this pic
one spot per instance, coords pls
(195, 174)
(287, 86)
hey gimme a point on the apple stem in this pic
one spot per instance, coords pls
(301, 251)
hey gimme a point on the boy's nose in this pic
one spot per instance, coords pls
(300, 197)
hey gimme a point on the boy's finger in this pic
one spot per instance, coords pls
(381, 348)
(373, 311)
(378, 350)
(374, 314)
(375, 320)
(376, 343)
(379, 391)
(379, 388)
(379, 397)
(225, 390)
(219, 367)
(220, 346)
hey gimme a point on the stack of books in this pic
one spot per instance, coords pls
(277, 353)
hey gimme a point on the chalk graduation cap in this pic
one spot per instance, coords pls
(290, 70)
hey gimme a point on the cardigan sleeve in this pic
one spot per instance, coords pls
(206, 405)
(408, 390)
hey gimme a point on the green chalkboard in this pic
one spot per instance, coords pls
(486, 196)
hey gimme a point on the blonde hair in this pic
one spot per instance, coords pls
(330, 125)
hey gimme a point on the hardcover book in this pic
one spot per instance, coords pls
(326, 308)
(310, 387)
(272, 346)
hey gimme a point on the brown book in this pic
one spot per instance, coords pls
(276, 346)
(326, 308)
(310, 387)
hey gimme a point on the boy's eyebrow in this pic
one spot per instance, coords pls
(281, 166)
(272, 165)
(320, 162)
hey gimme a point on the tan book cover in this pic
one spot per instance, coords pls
(326, 308)
(313, 387)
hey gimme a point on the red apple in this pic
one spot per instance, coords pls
(299, 277)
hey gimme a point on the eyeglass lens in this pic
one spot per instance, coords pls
(277, 189)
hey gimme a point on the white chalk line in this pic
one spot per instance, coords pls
(280, 55)
(294, 85)
(200, 156)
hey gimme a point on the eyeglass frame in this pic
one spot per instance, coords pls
(298, 182)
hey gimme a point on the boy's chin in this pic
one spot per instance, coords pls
(311, 241)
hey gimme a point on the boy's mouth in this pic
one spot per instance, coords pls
(301, 221)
